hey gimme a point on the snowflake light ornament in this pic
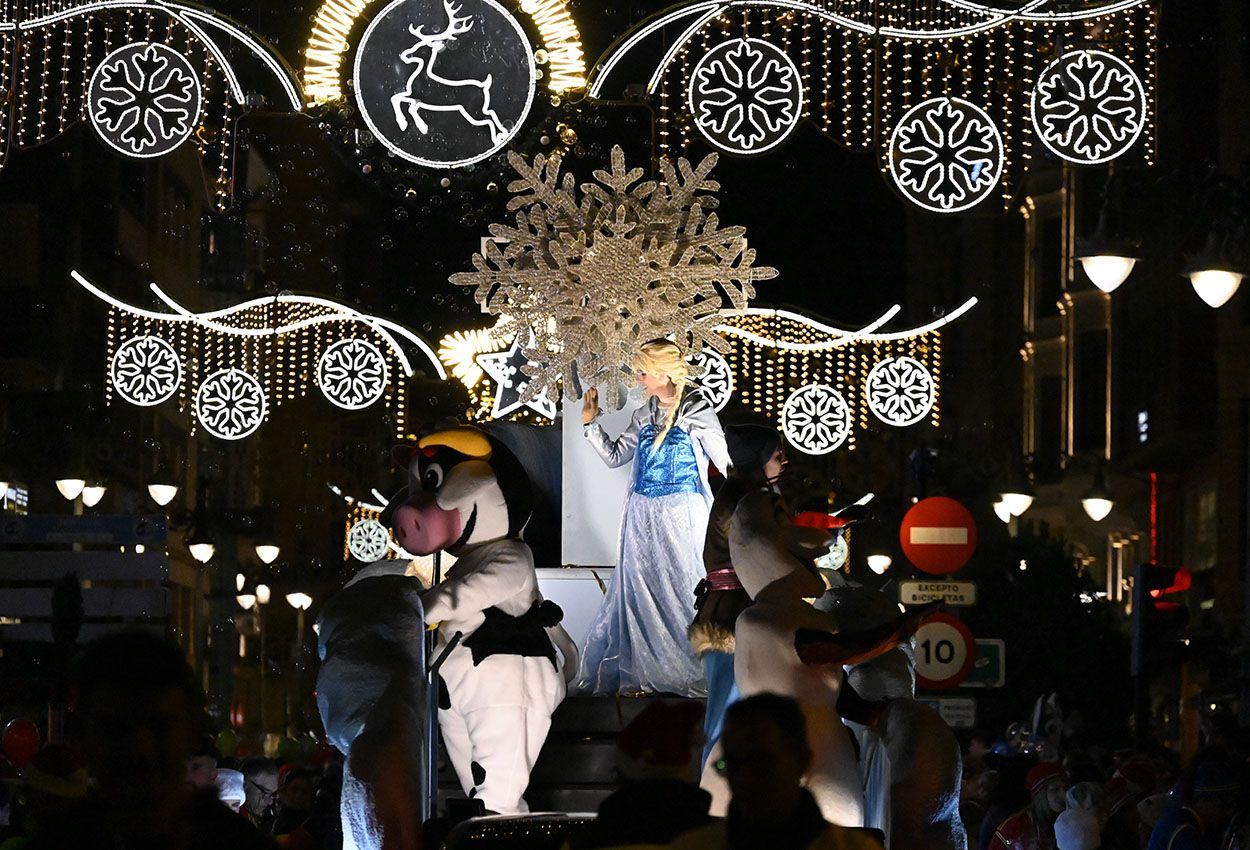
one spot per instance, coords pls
(368, 541)
(715, 377)
(596, 273)
(1089, 107)
(746, 95)
(145, 370)
(946, 154)
(816, 419)
(900, 391)
(352, 374)
(230, 404)
(144, 99)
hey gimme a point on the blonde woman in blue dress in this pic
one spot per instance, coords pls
(637, 642)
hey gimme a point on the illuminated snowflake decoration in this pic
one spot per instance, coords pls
(946, 155)
(230, 404)
(144, 99)
(145, 370)
(368, 541)
(352, 374)
(746, 96)
(715, 377)
(900, 391)
(597, 270)
(816, 419)
(1089, 107)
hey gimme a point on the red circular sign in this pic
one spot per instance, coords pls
(945, 652)
(938, 535)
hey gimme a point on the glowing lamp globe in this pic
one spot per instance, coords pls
(262, 594)
(92, 494)
(4, 488)
(299, 601)
(239, 581)
(70, 488)
(879, 563)
(1215, 286)
(1097, 508)
(202, 552)
(1016, 503)
(1000, 511)
(162, 494)
(267, 552)
(1108, 271)
(246, 600)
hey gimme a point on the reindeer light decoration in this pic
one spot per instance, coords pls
(425, 89)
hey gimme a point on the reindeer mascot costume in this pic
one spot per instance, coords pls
(467, 494)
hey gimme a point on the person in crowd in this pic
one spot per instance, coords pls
(137, 709)
(1078, 829)
(655, 801)
(1136, 776)
(1008, 795)
(1200, 822)
(52, 785)
(202, 766)
(758, 459)
(1033, 827)
(764, 757)
(296, 791)
(637, 641)
(260, 787)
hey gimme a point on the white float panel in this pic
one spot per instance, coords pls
(575, 590)
(593, 495)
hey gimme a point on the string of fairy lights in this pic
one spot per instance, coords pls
(864, 67)
(773, 354)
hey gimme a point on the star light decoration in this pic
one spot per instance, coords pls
(506, 369)
(597, 270)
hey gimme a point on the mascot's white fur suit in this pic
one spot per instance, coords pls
(468, 495)
(786, 646)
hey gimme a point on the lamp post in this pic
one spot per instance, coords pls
(300, 601)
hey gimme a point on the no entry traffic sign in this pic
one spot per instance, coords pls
(945, 652)
(938, 535)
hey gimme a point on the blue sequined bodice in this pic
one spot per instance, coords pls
(671, 468)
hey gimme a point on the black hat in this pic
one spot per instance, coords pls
(751, 446)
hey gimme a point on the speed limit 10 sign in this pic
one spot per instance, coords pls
(945, 652)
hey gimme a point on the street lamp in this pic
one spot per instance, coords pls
(879, 563)
(262, 594)
(268, 552)
(1212, 271)
(92, 494)
(1107, 270)
(299, 601)
(70, 488)
(1000, 510)
(246, 601)
(1097, 501)
(1107, 261)
(202, 547)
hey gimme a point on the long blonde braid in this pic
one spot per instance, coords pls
(663, 359)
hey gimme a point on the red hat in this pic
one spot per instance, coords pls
(1044, 774)
(1140, 771)
(662, 734)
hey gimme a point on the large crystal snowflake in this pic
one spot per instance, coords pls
(352, 373)
(1089, 107)
(597, 272)
(144, 99)
(946, 155)
(230, 404)
(746, 96)
(900, 391)
(145, 370)
(816, 419)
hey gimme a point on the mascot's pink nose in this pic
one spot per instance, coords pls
(423, 527)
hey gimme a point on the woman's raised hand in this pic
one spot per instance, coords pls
(590, 406)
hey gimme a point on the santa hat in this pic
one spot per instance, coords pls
(663, 734)
(56, 771)
(1077, 829)
(1044, 774)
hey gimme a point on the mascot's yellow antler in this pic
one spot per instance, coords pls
(468, 441)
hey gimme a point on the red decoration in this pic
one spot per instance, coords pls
(938, 535)
(21, 742)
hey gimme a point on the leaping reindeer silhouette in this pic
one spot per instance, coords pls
(427, 90)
